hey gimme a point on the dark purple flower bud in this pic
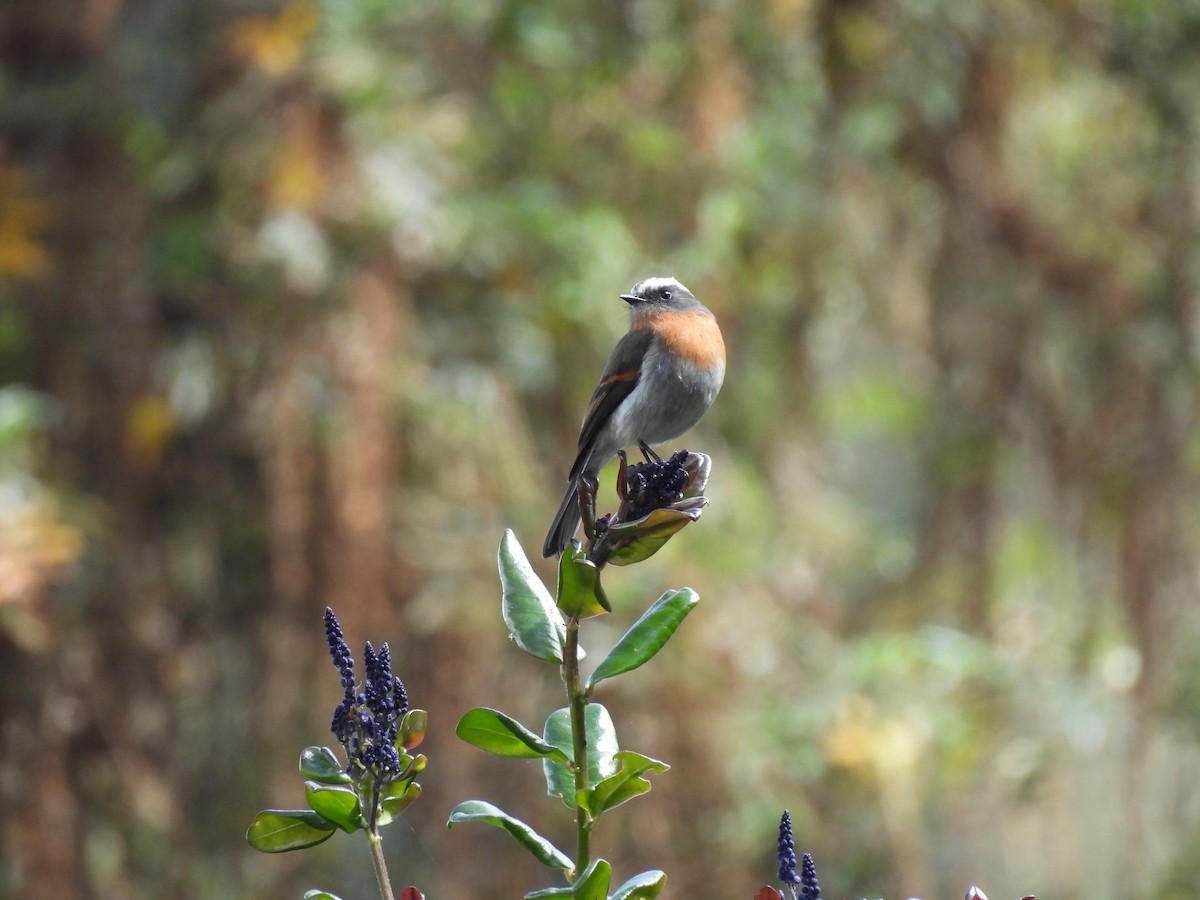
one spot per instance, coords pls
(340, 726)
(342, 660)
(383, 682)
(810, 889)
(655, 485)
(370, 664)
(401, 695)
(787, 851)
(384, 671)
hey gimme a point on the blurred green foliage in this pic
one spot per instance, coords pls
(301, 302)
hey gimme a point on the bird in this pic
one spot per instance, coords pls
(660, 380)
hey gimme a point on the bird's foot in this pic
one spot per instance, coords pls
(650, 455)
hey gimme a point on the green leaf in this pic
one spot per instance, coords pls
(481, 811)
(579, 590)
(398, 789)
(493, 732)
(646, 636)
(339, 805)
(415, 764)
(412, 729)
(626, 784)
(320, 764)
(601, 744)
(645, 886)
(279, 830)
(533, 620)
(320, 895)
(647, 535)
(591, 885)
(397, 798)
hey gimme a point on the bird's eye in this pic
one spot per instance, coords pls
(665, 293)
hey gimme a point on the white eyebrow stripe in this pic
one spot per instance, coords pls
(656, 283)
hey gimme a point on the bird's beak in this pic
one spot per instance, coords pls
(631, 298)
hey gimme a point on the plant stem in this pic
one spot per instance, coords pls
(381, 873)
(599, 551)
(577, 702)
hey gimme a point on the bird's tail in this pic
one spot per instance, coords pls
(566, 520)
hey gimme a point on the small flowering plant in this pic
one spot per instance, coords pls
(804, 886)
(376, 730)
(582, 760)
(801, 886)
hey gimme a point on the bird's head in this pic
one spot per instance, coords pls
(658, 294)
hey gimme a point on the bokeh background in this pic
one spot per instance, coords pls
(301, 303)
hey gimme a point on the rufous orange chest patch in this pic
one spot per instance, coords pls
(692, 336)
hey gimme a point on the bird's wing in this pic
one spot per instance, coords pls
(618, 381)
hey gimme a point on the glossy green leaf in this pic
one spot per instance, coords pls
(592, 884)
(339, 805)
(533, 621)
(635, 541)
(494, 732)
(601, 743)
(623, 785)
(579, 590)
(320, 764)
(398, 797)
(645, 886)
(320, 895)
(398, 789)
(279, 830)
(412, 729)
(481, 811)
(646, 636)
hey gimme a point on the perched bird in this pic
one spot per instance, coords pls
(660, 380)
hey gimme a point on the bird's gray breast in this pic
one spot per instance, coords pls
(670, 397)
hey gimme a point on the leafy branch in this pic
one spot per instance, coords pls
(582, 761)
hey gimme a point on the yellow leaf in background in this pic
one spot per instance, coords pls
(848, 741)
(150, 425)
(274, 43)
(22, 218)
(296, 181)
(896, 747)
(792, 14)
(848, 746)
(34, 547)
(863, 738)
